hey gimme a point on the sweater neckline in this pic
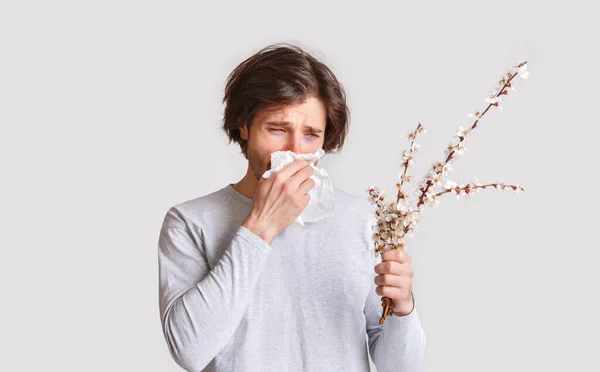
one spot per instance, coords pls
(237, 195)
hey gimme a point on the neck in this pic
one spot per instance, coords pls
(247, 185)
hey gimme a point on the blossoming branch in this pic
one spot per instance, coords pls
(395, 220)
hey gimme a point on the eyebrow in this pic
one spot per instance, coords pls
(285, 123)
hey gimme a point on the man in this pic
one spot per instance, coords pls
(243, 288)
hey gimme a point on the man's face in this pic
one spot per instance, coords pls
(299, 128)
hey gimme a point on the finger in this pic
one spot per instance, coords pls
(394, 268)
(394, 254)
(391, 292)
(306, 186)
(389, 267)
(300, 176)
(389, 280)
(290, 169)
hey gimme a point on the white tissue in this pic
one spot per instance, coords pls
(320, 204)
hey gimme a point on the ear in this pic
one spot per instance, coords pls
(244, 132)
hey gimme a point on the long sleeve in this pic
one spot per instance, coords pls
(399, 344)
(201, 308)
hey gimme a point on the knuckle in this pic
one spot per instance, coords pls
(401, 255)
(301, 202)
(277, 178)
(383, 291)
(388, 266)
(306, 200)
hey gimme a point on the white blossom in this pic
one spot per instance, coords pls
(450, 185)
(402, 206)
(462, 132)
(522, 71)
(460, 149)
(374, 190)
(450, 148)
(474, 114)
(407, 156)
(494, 100)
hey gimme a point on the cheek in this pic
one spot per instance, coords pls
(265, 158)
(314, 144)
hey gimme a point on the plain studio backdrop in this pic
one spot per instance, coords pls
(110, 114)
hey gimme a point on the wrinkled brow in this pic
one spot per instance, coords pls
(285, 123)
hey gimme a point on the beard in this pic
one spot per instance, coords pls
(258, 164)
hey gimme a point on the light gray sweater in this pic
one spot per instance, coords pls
(306, 302)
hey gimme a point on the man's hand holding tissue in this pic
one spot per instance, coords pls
(279, 199)
(395, 280)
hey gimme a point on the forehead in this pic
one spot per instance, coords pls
(311, 112)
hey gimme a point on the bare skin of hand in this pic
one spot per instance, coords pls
(280, 199)
(395, 280)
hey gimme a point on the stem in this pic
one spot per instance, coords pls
(429, 183)
(477, 187)
(414, 137)
(387, 304)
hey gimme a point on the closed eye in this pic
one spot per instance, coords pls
(283, 130)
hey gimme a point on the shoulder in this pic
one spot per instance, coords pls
(348, 202)
(355, 208)
(188, 213)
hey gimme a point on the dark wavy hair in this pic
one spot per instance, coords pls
(278, 75)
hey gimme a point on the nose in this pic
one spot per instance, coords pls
(295, 144)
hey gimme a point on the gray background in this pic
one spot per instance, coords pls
(110, 112)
